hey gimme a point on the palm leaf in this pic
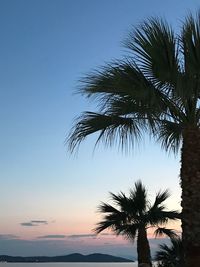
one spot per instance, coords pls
(160, 231)
(170, 135)
(161, 196)
(157, 213)
(160, 216)
(125, 131)
(155, 46)
(138, 196)
(170, 255)
(106, 208)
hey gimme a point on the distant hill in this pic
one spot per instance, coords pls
(76, 257)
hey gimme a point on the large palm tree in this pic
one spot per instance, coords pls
(133, 215)
(155, 89)
(170, 255)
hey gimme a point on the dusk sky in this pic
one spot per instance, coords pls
(49, 197)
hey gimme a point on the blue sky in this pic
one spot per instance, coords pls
(46, 47)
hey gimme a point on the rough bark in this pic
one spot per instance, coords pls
(143, 249)
(190, 182)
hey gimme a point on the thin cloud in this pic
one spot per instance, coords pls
(34, 223)
(82, 235)
(39, 222)
(51, 236)
(28, 224)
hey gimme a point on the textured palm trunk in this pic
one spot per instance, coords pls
(143, 249)
(190, 182)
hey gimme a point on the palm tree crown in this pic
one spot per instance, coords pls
(157, 88)
(132, 216)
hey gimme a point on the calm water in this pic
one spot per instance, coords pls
(68, 264)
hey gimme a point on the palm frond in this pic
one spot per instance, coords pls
(138, 196)
(170, 135)
(121, 201)
(129, 231)
(157, 213)
(190, 38)
(155, 46)
(119, 79)
(106, 208)
(103, 225)
(113, 129)
(160, 231)
(113, 218)
(161, 196)
(124, 82)
(161, 217)
(170, 255)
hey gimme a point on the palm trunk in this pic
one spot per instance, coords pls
(143, 249)
(190, 182)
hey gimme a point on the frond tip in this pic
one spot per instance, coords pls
(111, 128)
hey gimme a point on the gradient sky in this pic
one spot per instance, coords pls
(47, 195)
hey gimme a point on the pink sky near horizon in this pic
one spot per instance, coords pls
(79, 227)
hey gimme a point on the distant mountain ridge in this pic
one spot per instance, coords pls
(75, 257)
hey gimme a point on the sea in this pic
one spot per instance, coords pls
(85, 264)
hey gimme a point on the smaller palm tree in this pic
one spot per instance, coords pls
(170, 256)
(132, 216)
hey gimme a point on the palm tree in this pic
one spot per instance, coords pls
(155, 89)
(170, 256)
(132, 216)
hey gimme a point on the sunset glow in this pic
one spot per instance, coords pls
(49, 198)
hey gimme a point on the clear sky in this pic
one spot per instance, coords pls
(49, 197)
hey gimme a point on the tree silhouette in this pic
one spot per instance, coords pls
(155, 89)
(132, 216)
